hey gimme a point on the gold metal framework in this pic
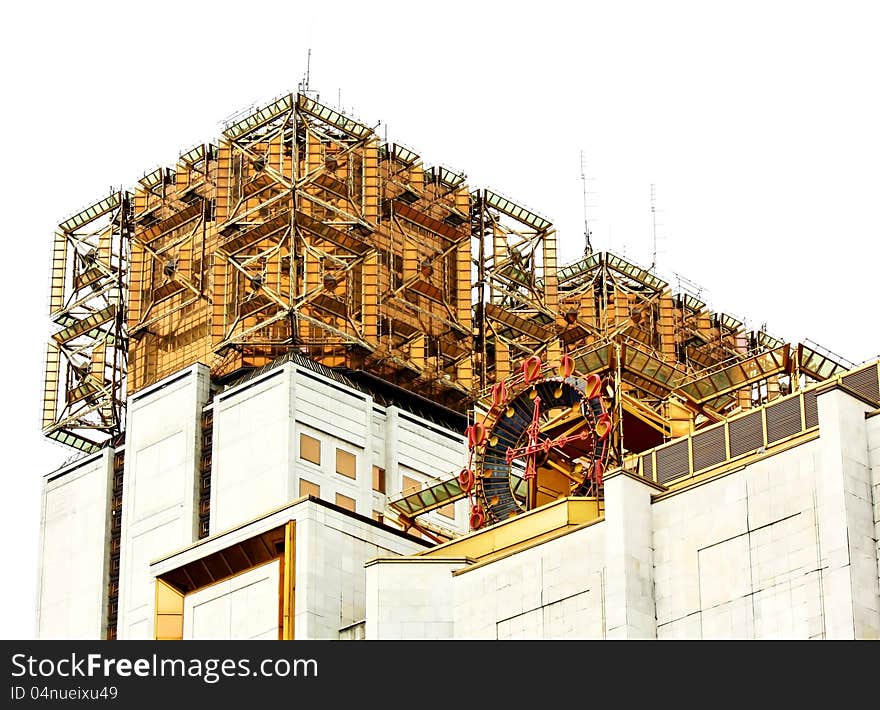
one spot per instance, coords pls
(86, 359)
(301, 231)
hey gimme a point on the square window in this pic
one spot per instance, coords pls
(307, 488)
(346, 463)
(378, 479)
(345, 502)
(309, 449)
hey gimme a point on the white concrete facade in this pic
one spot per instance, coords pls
(332, 547)
(872, 430)
(160, 498)
(258, 463)
(551, 591)
(74, 549)
(784, 547)
(242, 607)
(410, 599)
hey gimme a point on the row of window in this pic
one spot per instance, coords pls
(346, 464)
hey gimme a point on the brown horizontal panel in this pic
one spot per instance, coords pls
(427, 290)
(426, 221)
(330, 304)
(573, 334)
(169, 288)
(172, 222)
(333, 184)
(236, 242)
(228, 562)
(260, 182)
(346, 240)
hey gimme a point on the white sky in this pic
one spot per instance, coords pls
(756, 121)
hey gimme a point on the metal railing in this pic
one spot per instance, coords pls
(754, 431)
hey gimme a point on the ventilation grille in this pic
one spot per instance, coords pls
(864, 382)
(746, 434)
(708, 448)
(672, 461)
(783, 419)
(811, 410)
(648, 467)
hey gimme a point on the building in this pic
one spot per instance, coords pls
(322, 390)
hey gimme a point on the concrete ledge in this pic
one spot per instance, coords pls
(419, 560)
(636, 477)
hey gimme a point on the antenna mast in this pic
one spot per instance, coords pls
(653, 228)
(588, 247)
(304, 85)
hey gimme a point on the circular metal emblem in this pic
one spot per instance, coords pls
(543, 438)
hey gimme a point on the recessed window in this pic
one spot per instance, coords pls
(378, 479)
(345, 502)
(309, 449)
(346, 463)
(378, 517)
(307, 488)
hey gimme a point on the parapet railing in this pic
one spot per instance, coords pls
(749, 433)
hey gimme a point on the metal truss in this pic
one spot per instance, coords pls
(86, 360)
(301, 231)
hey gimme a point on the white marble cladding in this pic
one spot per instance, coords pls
(784, 548)
(551, 591)
(331, 549)
(846, 520)
(252, 461)
(242, 607)
(629, 559)
(738, 557)
(74, 550)
(257, 463)
(410, 598)
(160, 489)
(872, 427)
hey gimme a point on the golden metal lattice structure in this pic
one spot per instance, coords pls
(299, 230)
(86, 359)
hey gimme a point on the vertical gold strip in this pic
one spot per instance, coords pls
(371, 298)
(59, 258)
(371, 182)
(463, 307)
(51, 384)
(551, 290)
(502, 360)
(288, 575)
(667, 326)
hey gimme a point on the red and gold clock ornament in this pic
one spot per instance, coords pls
(545, 436)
